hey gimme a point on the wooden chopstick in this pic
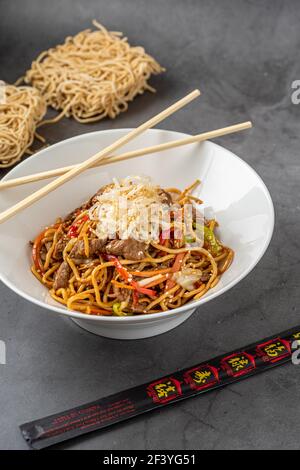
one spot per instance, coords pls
(34, 197)
(132, 154)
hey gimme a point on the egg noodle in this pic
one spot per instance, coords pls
(87, 272)
(21, 108)
(92, 75)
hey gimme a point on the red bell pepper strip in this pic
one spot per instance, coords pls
(135, 297)
(73, 230)
(143, 290)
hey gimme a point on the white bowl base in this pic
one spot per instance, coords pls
(126, 331)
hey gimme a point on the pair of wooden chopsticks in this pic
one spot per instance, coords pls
(105, 156)
(133, 154)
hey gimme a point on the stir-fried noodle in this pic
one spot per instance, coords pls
(89, 271)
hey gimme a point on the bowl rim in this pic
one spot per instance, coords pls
(153, 316)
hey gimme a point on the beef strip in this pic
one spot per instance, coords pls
(130, 249)
(165, 197)
(96, 247)
(205, 277)
(62, 276)
(59, 248)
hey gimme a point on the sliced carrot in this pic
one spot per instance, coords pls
(143, 290)
(37, 247)
(121, 285)
(175, 268)
(177, 263)
(36, 252)
(124, 273)
(150, 273)
(170, 283)
(157, 281)
(99, 311)
(127, 276)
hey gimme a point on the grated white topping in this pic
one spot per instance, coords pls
(130, 207)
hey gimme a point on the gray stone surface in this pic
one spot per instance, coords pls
(243, 55)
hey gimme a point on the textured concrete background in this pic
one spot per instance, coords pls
(243, 55)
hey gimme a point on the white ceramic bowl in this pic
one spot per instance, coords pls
(230, 188)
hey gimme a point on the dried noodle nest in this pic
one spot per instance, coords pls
(21, 108)
(92, 75)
